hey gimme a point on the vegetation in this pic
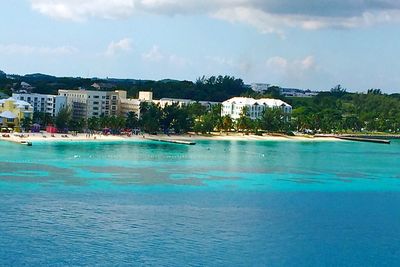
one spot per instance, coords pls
(341, 111)
(334, 111)
(214, 88)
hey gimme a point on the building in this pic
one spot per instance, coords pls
(145, 96)
(260, 87)
(163, 102)
(50, 104)
(294, 92)
(86, 104)
(13, 112)
(128, 105)
(103, 86)
(234, 107)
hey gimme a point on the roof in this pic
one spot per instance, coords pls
(8, 115)
(251, 101)
(18, 103)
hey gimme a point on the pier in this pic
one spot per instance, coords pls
(358, 138)
(363, 139)
(172, 141)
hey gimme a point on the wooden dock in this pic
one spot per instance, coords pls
(180, 142)
(363, 139)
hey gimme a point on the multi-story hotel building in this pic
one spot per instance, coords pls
(87, 104)
(50, 104)
(255, 107)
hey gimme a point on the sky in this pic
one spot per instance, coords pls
(310, 44)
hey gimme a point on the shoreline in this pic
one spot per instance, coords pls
(49, 138)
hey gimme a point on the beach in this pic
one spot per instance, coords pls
(82, 137)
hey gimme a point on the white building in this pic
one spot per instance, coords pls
(87, 104)
(234, 107)
(260, 87)
(163, 102)
(294, 92)
(50, 104)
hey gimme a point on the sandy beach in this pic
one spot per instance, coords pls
(47, 137)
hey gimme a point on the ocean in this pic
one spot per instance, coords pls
(218, 203)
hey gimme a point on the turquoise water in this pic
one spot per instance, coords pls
(210, 165)
(217, 203)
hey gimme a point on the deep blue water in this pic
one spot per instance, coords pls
(213, 204)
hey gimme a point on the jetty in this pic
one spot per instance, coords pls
(172, 141)
(357, 138)
(363, 139)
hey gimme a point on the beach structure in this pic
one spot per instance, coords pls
(13, 112)
(50, 104)
(87, 104)
(234, 107)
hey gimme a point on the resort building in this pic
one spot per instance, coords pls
(13, 112)
(87, 104)
(128, 105)
(163, 102)
(145, 96)
(234, 107)
(50, 104)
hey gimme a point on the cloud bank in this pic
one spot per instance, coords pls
(266, 15)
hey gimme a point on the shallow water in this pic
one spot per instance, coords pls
(216, 203)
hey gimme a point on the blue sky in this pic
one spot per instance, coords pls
(305, 43)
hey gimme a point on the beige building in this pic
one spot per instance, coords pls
(87, 104)
(145, 96)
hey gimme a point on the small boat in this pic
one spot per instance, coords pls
(26, 143)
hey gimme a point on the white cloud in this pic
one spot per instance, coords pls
(78, 10)
(295, 71)
(154, 55)
(123, 45)
(42, 50)
(268, 16)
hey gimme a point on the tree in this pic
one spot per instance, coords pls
(131, 120)
(273, 120)
(26, 123)
(62, 119)
(42, 118)
(374, 91)
(227, 123)
(244, 123)
(338, 91)
(93, 124)
(150, 117)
